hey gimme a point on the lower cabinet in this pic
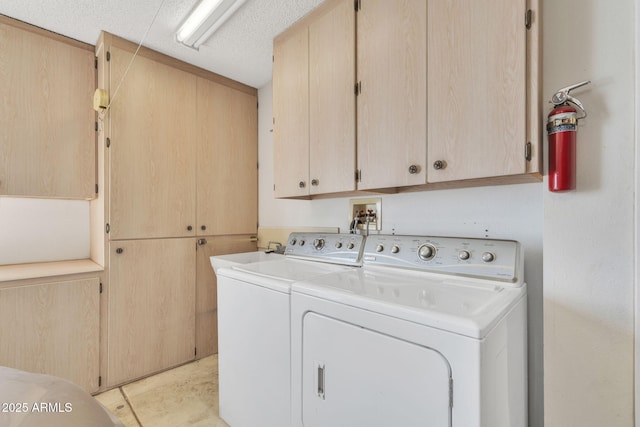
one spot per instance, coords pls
(162, 304)
(151, 309)
(53, 328)
(206, 288)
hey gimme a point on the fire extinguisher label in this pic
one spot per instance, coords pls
(561, 128)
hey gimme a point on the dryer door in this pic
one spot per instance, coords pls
(353, 376)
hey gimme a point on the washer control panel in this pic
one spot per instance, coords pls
(335, 248)
(480, 258)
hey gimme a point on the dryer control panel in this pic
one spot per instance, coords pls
(489, 259)
(327, 247)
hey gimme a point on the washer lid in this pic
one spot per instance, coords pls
(279, 274)
(464, 306)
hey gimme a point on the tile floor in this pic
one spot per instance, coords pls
(183, 396)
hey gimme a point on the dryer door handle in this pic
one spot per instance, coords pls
(320, 379)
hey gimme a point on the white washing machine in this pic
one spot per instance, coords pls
(429, 332)
(254, 325)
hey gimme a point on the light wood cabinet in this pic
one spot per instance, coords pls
(392, 103)
(447, 95)
(227, 160)
(206, 287)
(477, 54)
(314, 105)
(151, 307)
(47, 135)
(178, 158)
(52, 327)
(152, 149)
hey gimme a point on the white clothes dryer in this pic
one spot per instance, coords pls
(254, 348)
(430, 331)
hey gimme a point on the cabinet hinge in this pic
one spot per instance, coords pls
(257, 105)
(96, 126)
(358, 175)
(195, 351)
(100, 381)
(527, 19)
(108, 142)
(527, 151)
(96, 188)
(107, 228)
(357, 88)
(95, 62)
(100, 287)
(108, 56)
(357, 5)
(450, 392)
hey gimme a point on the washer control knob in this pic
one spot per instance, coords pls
(351, 245)
(293, 241)
(426, 252)
(318, 244)
(380, 248)
(301, 242)
(488, 257)
(338, 245)
(395, 249)
(464, 255)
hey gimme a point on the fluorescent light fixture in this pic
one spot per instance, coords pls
(205, 19)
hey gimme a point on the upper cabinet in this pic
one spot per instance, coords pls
(47, 134)
(392, 99)
(314, 104)
(181, 148)
(447, 91)
(227, 160)
(477, 89)
(152, 148)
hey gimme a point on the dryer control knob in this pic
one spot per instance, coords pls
(318, 244)
(351, 245)
(464, 255)
(380, 248)
(426, 252)
(488, 257)
(292, 241)
(301, 242)
(395, 249)
(338, 245)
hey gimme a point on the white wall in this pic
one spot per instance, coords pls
(38, 230)
(588, 234)
(510, 212)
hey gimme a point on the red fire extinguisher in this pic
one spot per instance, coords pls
(562, 124)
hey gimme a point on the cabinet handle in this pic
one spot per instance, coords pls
(204, 227)
(189, 228)
(439, 164)
(202, 242)
(315, 182)
(414, 169)
(119, 250)
(302, 184)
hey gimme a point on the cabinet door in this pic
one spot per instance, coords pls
(47, 140)
(206, 287)
(227, 160)
(332, 108)
(477, 90)
(151, 312)
(54, 329)
(291, 113)
(391, 63)
(152, 152)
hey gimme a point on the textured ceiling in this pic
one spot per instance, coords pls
(241, 49)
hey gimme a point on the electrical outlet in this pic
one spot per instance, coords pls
(365, 211)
